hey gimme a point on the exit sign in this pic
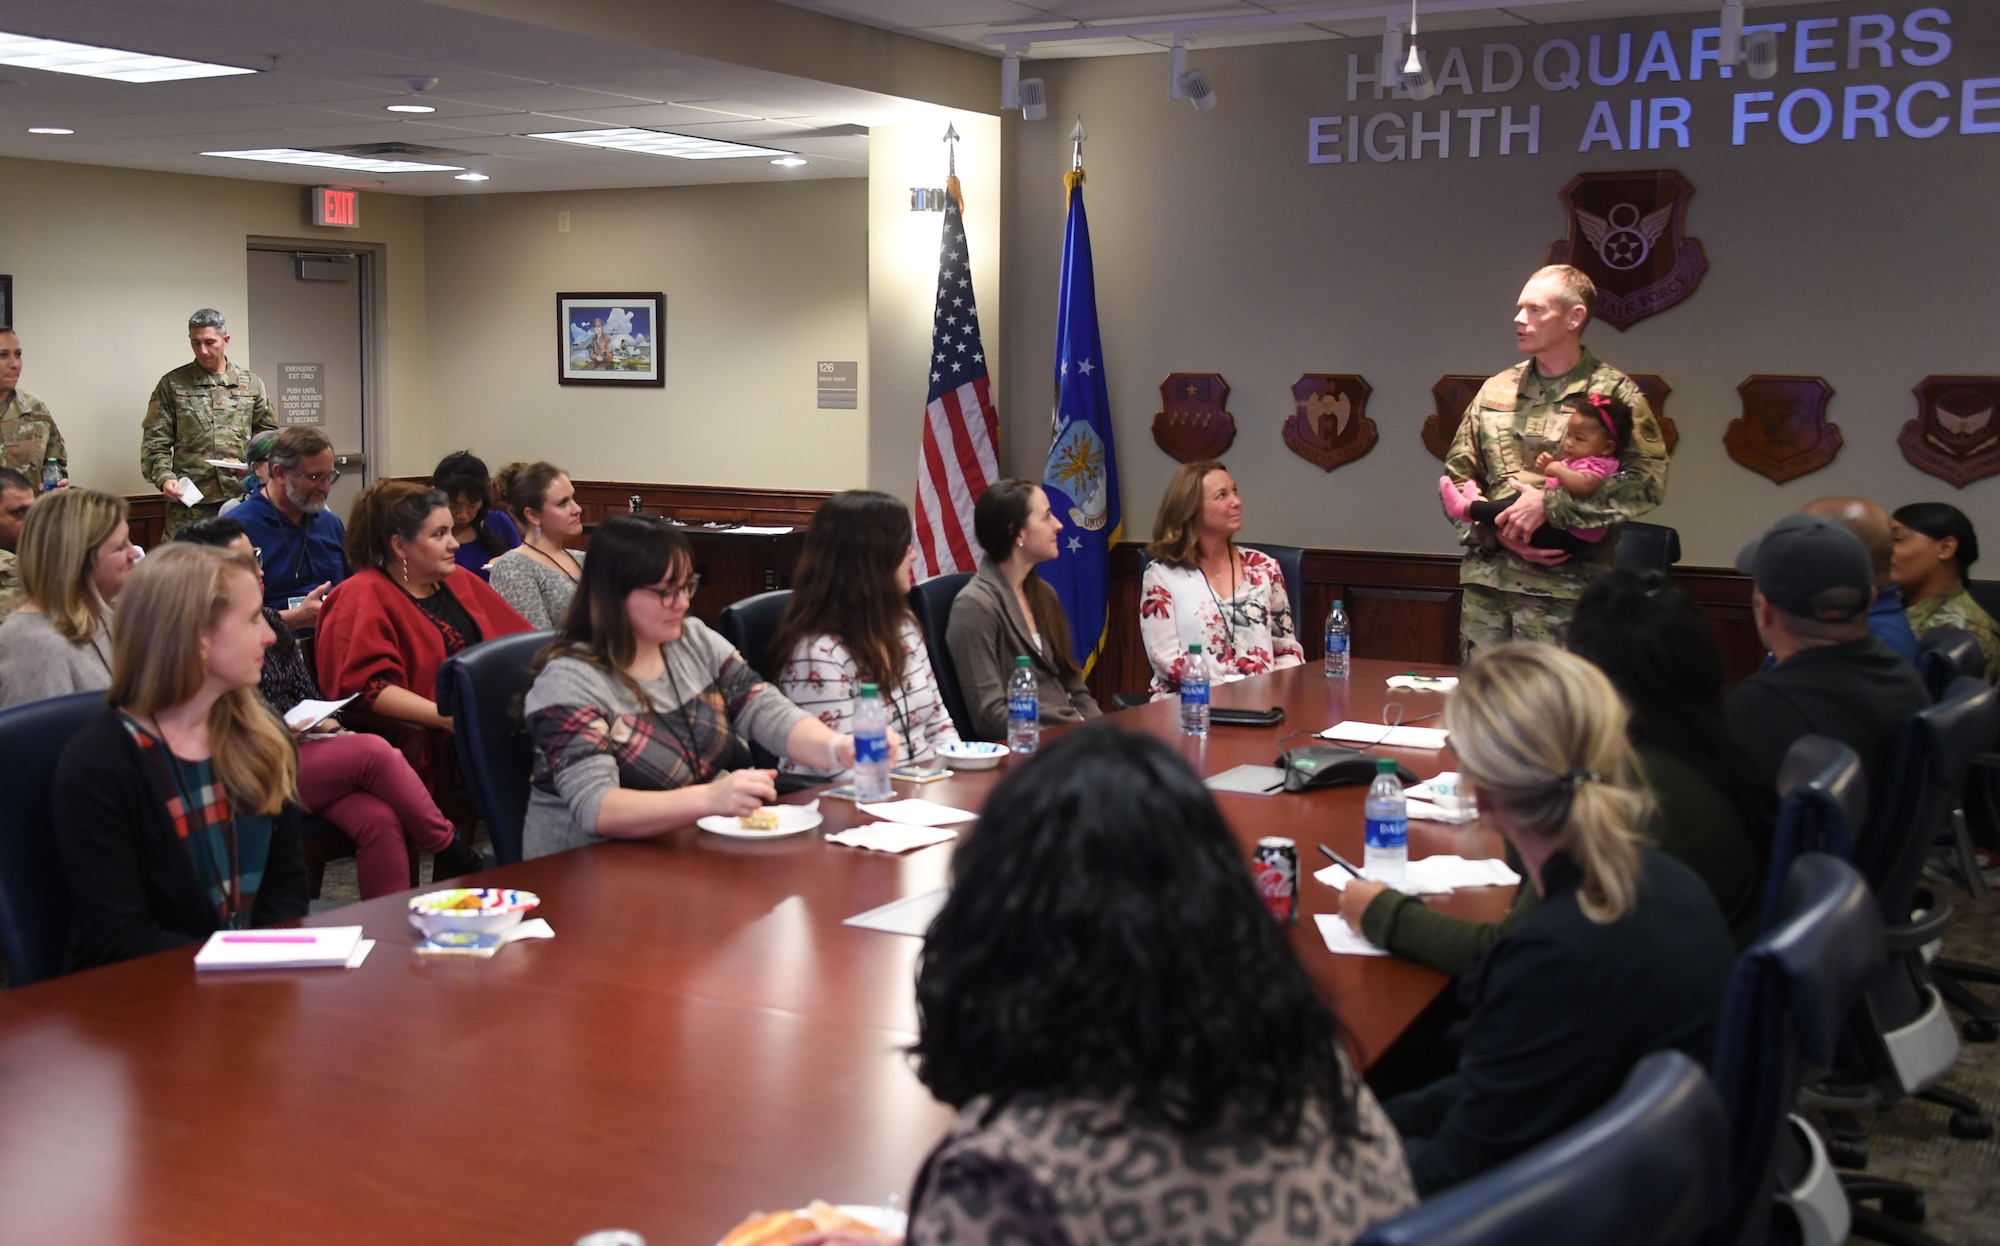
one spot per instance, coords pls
(333, 206)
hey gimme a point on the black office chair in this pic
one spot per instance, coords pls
(1789, 997)
(749, 625)
(1825, 795)
(481, 688)
(931, 602)
(34, 892)
(1649, 1168)
(1901, 1042)
(1648, 547)
(1291, 560)
(1945, 654)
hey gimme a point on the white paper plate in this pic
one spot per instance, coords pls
(892, 1221)
(792, 820)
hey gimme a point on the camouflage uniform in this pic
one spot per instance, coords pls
(28, 436)
(1515, 417)
(196, 414)
(1960, 610)
(11, 595)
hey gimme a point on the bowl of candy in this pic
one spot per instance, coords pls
(972, 755)
(483, 910)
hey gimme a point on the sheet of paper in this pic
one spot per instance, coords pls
(1352, 732)
(1428, 812)
(310, 713)
(361, 949)
(1436, 876)
(1424, 683)
(917, 812)
(912, 915)
(533, 928)
(1340, 937)
(231, 464)
(1254, 780)
(752, 530)
(186, 493)
(892, 837)
(319, 947)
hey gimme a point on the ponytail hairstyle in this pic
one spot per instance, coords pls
(627, 552)
(845, 584)
(175, 597)
(1936, 520)
(998, 519)
(387, 508)
(58, 554)
(1608, 410)
(463, 474)
(522, 487)
(1541, 734)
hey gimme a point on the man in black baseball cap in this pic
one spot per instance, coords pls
(1813, 586)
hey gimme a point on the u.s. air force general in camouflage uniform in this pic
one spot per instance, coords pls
(1516, 417)
(28, 436)
(196, 414)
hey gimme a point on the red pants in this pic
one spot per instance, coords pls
(363, 785)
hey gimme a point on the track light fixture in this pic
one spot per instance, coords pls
(1010, 81)
(1188, 84)
(1757, 51)
(1414, 65)
(1034, 104)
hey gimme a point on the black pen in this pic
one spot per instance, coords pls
(1340, 861)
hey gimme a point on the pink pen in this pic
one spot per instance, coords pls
(252, 938)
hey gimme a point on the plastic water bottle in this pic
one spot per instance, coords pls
(51, 474)
(871, 746)
(1336, 641)
(1386, 856)
(1194, 695)
(1024, 709)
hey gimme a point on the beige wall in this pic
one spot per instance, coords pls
(107, 264)
(902, 281)
(761, 282)
(1219, 248)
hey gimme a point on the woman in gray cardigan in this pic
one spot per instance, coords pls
(1006, 610)
(75, 552)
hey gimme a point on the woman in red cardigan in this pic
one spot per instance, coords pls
(387, 628)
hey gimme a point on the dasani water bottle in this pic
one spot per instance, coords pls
(1194, 694)
(871, 746)
(1024, 709)
(1386, 855)
(1337, 637)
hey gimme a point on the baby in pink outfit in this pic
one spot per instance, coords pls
(1599, 426)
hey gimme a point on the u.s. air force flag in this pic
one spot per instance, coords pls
(1081, 479)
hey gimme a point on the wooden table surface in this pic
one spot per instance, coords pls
(701, 1039)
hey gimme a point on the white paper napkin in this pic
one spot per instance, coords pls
(892, 837)
(1340, 937)
(533, 928)
(1438, 813)
(917, 812)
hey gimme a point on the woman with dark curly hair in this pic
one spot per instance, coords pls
(1135, 1053)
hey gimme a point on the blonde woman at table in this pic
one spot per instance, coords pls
(1201, 588)
(174, 808)
(1126, 1033)
(1007, 611)
(848, 623)
(1627, 954)
(75, 553)
(638, 711)
(539, 576)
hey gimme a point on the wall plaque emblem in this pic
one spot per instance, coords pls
(1956, 435)
(1626, 232)
(1454, 393)
(1451, 396)
(1329, 423)
(1783, 432)
(1191, 424)
(1656, 391)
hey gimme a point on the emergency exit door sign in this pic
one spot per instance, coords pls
(331, 205)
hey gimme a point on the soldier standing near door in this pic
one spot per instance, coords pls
(208, 409)
(28, 434)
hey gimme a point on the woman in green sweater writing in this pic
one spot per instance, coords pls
(1656, 647)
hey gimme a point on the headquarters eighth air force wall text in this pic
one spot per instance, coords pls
(1802, 115)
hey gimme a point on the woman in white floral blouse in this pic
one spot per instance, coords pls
(849, 623)
(1201, 588)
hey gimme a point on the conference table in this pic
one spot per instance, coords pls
(701, 1039)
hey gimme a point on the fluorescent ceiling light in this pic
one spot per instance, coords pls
(411, 108)
(48, 129)
(660, 143)
(327, 160)
(56, 56)
(789, 162)
(471, 177)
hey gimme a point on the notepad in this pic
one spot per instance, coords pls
(1341, 939)
(322, 947)
(1352, 732)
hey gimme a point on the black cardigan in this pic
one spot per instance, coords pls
(1560, 1010)
(131, 880)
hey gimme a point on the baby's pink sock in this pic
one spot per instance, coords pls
(1456, 503)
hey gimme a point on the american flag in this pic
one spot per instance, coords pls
(961, 429)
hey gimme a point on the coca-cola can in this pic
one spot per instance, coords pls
(1276, 871)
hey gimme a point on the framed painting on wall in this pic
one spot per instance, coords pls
(611, 339)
